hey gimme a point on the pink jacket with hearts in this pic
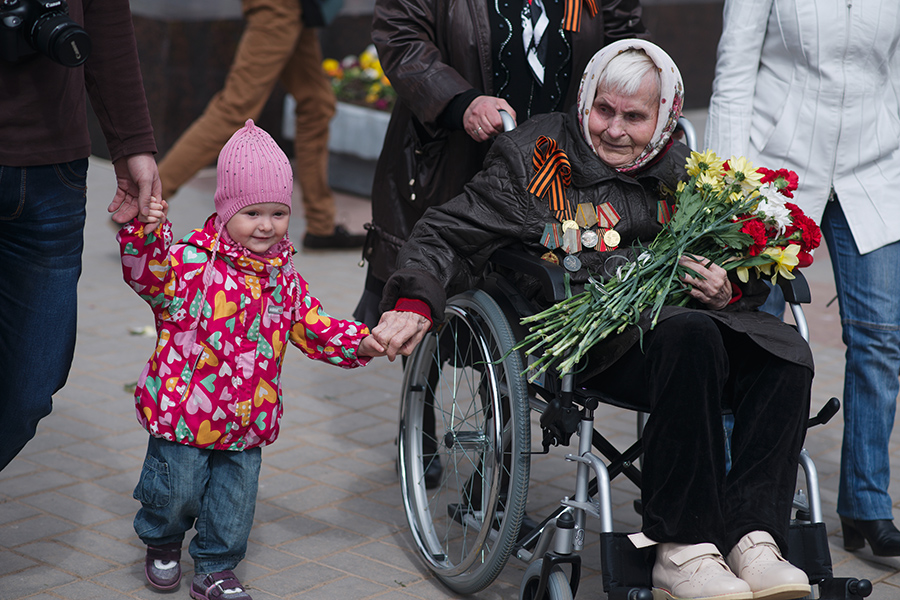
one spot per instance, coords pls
(214, 379)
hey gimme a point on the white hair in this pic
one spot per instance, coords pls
(626, 71)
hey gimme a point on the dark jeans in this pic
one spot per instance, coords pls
(42, 212)
(691, 368)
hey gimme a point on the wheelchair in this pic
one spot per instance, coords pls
(465, 383)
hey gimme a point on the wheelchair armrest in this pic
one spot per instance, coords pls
(796, 290)
(550, 276)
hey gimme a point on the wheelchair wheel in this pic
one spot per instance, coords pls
(557, 584)
(466, 526)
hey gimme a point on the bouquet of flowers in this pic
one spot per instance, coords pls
(359, 80)
(728, 212)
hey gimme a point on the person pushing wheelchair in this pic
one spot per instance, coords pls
(716, 534)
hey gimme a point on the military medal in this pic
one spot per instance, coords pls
(571, 263)
(607, 216)
(589, 238)
(585, 215)
(612, 238)
(550, 239)
(569, 225)
(550, 257)
(571, 242)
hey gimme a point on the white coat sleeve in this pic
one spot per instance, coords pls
(737, 65)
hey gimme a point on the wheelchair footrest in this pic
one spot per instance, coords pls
(625, 568)
(629, 593)
(844, 588)
(808, 550)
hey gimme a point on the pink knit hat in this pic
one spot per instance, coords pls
(251, 169)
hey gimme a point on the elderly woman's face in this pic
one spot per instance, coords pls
(621, 126)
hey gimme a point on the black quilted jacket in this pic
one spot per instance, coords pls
(449, 247)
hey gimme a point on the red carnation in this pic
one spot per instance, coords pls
(756, 229)
(810, 234)
(785, 181)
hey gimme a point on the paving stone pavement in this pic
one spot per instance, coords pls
(329, 520)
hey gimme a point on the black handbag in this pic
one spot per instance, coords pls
(319, 13)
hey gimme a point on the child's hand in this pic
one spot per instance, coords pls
(369, 346)
(154, 214)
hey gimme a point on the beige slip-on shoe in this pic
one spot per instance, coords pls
(696, 572)
(757, 560)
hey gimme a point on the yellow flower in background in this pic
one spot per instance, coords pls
(368, 58)
(784, 261)
(704, 162)
(332, 68)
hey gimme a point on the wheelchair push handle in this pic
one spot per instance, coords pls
(508, 122)
(825, 413)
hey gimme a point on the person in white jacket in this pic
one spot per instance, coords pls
(812, 86)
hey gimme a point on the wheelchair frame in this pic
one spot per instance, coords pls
(467, 528)
(484, 405)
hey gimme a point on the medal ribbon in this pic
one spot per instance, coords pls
(572, 14)
(552, 176)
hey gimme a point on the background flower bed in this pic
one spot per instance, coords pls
(360, 80)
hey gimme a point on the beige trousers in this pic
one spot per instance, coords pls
(275, 46)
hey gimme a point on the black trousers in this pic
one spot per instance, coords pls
(689, 369)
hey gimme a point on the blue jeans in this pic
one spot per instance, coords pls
(868, 288)
(212, 490)
(42, 213)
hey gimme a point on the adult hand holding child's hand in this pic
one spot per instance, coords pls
(154, 214)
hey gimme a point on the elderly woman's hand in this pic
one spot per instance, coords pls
(714, 289)
(482, 118)
(399, 332)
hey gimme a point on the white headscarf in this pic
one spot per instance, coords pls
(671, 95)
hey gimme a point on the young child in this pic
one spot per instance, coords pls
(226, 299)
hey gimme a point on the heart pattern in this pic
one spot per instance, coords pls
(205, 436)
(224, 308)
(218, 340)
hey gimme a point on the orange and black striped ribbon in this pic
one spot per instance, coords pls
(552, 176)
(572, 14)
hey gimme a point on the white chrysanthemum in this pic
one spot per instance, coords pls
(772, 207)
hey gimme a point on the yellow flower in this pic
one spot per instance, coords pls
(680, 187)
(783, 260)
(709, 183)
(742, 173)
(332, 67)
(707, 162)
(367, 59)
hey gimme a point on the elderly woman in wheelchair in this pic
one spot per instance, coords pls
(716, 534)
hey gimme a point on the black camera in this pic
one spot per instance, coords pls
(28, 27)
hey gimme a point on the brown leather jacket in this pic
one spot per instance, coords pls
(433, 50)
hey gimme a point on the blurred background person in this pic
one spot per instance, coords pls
(43, 186)
(812, 86)
(275, 46)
